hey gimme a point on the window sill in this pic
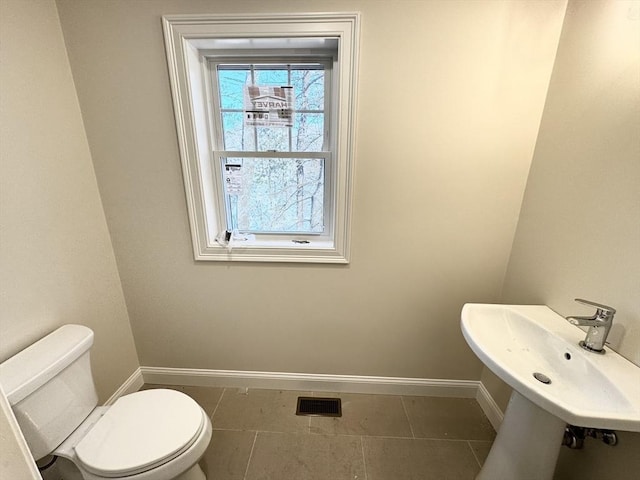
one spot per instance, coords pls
(273, 251)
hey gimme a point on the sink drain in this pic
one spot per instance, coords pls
(541, 377)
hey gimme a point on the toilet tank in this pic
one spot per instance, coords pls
(50, 387)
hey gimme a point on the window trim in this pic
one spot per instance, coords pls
(190, 38)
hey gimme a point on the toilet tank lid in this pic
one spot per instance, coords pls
(28, 370)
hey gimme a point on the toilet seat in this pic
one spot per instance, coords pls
(139, 432)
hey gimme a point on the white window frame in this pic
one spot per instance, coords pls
(189, 40)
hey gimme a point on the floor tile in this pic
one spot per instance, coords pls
(257, 436)
(260, 410)
(284, 456)
(418, 459)
(480, 449)
(376, 415)
(207, 397)
(228, 455)
(448, 418)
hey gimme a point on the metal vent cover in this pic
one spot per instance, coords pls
(320, 407)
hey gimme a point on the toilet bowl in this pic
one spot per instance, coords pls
(149, 435)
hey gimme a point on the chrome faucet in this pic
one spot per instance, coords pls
(599, 325)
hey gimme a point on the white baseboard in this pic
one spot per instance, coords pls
(131, 384)
(311, 382)
(314, 382)
(489, 406)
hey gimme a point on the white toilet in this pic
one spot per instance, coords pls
(149, 435)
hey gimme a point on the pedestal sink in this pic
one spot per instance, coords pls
(555, 382)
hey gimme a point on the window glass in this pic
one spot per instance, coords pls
(276, 139)
(278, 195)
(308, 132)
(236, 135)
(271, 75)
(309, 88)
(231, 84)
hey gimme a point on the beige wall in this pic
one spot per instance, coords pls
(57, 263)
(579, 229)
(442, 159)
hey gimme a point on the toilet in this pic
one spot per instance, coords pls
(149, 435)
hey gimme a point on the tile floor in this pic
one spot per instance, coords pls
(257, 436)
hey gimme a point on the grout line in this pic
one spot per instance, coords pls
(404, 407)
(364, 460)
(349, 435)
(391, 437)
(474, 454)
(436, 439)
(417, 439)
(218, 404)
(219, 429)
(253, 445)
(313, 394)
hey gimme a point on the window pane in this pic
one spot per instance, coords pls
(271, 76)
(273, 138)
(231, 84)
(308, 132)
(278, 195)
(309, 89)
(237, 136)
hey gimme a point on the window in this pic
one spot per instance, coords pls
(281, 166)
(265, 109)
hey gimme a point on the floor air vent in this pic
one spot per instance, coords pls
(322, 407)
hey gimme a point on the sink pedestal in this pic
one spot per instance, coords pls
(527, 444)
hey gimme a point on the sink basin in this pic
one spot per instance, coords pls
(575, 386)
(589, 390)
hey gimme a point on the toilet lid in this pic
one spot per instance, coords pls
(139, 432)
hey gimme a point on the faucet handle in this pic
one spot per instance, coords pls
(603, 310)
